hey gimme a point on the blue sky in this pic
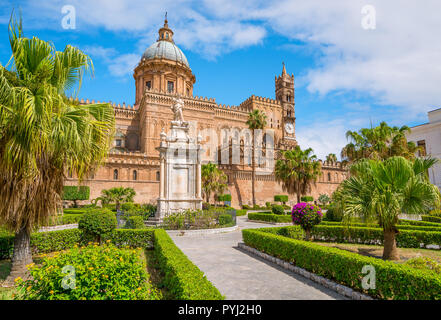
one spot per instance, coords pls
(346, 77)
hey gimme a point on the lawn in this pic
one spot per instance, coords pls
(5, 267)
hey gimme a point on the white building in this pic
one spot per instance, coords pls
(428, 136)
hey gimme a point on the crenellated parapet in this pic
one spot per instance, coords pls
(130, 158)
(122, 111)
(333, 165)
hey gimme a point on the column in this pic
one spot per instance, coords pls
(162, 177)
(198, 176)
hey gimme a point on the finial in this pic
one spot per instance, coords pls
(165, 20)
(284, 68)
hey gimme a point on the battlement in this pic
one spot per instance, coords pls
(128, 157)
(335, 165)
(121, 111)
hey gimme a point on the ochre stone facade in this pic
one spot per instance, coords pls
(163, 74)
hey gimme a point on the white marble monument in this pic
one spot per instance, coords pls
(180, 168)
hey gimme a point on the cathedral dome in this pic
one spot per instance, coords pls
(165, 49)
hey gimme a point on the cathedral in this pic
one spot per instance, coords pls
(163, 74)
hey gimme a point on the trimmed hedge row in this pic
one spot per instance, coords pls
(241, 212)
(364, 235)
(50, 241)
(76, 193)
(278, 218)
(181, 277)
(431, 219)
(418, 223)
(76, 210)
(393, 281)
(399, 227)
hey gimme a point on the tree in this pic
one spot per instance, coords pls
(43, 135)
(75, 193)
(297, 170)
(331, 158)
(324, 198)
(381, 190)
(256, 121)
(117, 195)
(213, 179)
(378, 143)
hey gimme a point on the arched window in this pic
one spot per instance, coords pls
(157, 176)
(135, 175)
(329, 176)
(115, 174)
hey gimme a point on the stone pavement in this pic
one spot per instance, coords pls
(239, 275)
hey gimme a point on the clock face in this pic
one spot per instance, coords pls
(289, 128)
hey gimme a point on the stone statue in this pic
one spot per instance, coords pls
(177, 110)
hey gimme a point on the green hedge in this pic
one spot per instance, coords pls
(393, 281)
(76, 193)
(399, 226)
(76, 210)
(134, 222)
(224, 197)
(50, 241)
(418, 223)
(281, 198)
(431, 219)
(278, 218)
(278, 209)
(364, 235)
(307, 199)
(181, 277)
(241, 212)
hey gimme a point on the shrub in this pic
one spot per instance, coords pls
(97, 224)
(393, 281)
(278, 209)
(363, 235)
(268, 205)
(246, 207)
(375, 225)
(76, 210)
(431, 219)
(110, 206)
(276, 218)
(418, 223)
(149, 210)
(224, 197)
(181, 277)
(241, 212)
(424, 263)
(134, 222)
(206, 206)
(307, 216)
(129, 206)
(281, 198)
(307, 199)
(323, 199)
(74, 193)
(435, 212)
(333, 215)
(225, 219)
(98, 273)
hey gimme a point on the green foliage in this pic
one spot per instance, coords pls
(181, 277)
(76, 210)
(281, 198)
(324, 199)
(76, 193)
(431, 219)
(435, 212)
(246, 207)
(393, 281)
(332, 214)
(129, 206)
(213, 180)
(224, 197)
(432, 227)
(410, 238)
(307, 199)
(424, 263)
(268, 205)
(190, 219)
(117, 195)
(134, 222)
(419, 223)
(278, 209)
(225, 219)
(241, 212)
(306, 215)
(100, 272)
(277, 218)
(297, 170)
(97, 224)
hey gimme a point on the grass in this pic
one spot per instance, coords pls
(5, 267)
(377, 251)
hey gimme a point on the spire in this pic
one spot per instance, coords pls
(284, 69)
(165, 33)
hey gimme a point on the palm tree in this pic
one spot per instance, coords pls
(297, 170)
(378, 143)
(256, 120)
(43, 135)
(117, 195)
(331, 158)
(213, 180)
(381, 190)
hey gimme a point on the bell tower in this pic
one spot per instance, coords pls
(285, 94)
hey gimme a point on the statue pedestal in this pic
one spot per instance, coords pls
(180, 172)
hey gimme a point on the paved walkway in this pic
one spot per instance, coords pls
(239, 275)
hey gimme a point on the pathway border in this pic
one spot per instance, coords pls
(341, 289)
(202, 231)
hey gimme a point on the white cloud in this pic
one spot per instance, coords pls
(123, 65)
